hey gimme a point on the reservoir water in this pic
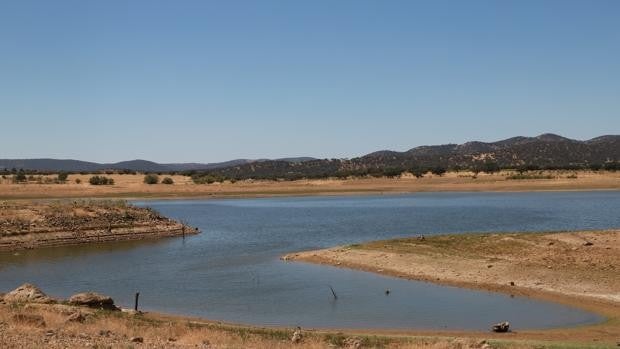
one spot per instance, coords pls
(232, 272)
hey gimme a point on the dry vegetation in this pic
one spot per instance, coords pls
(34, 224)
(48, 326)
(130, 186)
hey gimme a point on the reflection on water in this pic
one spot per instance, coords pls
(232, 270)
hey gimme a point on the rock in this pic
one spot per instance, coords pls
(501, 327)
(137, 340)
(50, 333)
(512, 283)
(29, 319)
(352, 343)
(132, 312)
(588, 243)
(93, 300)
(76, 317)
(296, 336)
(486, 346)
(27, 293)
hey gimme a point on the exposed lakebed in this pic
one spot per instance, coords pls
(232, 272)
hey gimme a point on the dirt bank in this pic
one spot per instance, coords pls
(575, 268)
(25, 225)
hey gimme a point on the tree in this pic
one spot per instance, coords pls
(392, 172)
(151, 178)
(417, 172)
(490, 167)
(167, 180)
(438, 170)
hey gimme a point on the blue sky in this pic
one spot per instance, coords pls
(176, 81)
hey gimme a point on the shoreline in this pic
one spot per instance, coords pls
(166, 330)
(241, 196)
(362, 257)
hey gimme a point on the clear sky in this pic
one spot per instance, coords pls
(204, 81)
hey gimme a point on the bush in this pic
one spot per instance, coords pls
(101, 180)
(19, 177)
(78, 181)
(151, 178)
(62, 176)
(167, 180)
(207, 178)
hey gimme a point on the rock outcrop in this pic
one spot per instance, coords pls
(27, 293)
(93, 300)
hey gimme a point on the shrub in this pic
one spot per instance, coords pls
(62, 176)
(207, 178)
(167, 180)
(151, 178)
(78, 181)
(19, 177)
(101, 180)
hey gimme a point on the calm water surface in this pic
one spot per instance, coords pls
(232, 271)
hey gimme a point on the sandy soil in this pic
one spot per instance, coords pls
(575, 268)
(132, 186)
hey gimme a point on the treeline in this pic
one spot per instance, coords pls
(7, 172)
(287, 171)
(293, 172)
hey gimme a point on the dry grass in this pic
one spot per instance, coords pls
(115, 330)
(105, 329)
(134, 187)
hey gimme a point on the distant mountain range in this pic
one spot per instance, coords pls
(133, 165)
(544, 151)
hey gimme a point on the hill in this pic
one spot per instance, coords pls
(547, 151)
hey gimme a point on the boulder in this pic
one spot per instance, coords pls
(27, 293)
(296, 336)
(501, 327)
(76, 317)
(93, 300)
(352, 343)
